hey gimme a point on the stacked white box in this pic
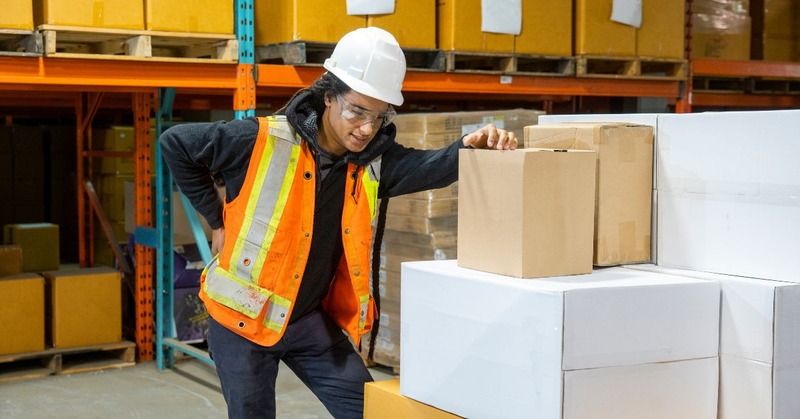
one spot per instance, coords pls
(759, 345)
(614, 343)
(729, 193)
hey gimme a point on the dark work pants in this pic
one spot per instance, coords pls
(314, 347)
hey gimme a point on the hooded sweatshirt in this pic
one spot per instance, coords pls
(194, 152)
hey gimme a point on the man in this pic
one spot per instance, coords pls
(293, 239)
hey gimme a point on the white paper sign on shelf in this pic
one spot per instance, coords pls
(370, 7)
(501, 16)
(627, 12)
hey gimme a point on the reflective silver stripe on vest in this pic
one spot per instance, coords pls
(248, 299)
(374, 169)
(277, 313)
(270, 189)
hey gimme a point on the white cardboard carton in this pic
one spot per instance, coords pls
(483, 345)
(759, 345)
(729, 193)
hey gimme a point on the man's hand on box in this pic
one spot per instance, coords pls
(489, 136)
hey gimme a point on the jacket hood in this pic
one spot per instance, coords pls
(304, 113)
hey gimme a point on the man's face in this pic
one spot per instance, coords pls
(350, 122)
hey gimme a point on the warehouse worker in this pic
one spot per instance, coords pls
(293, 239)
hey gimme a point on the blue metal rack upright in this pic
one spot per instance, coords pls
(161, 237)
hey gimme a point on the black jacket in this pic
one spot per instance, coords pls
(195, 151)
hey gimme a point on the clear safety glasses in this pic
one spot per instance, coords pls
(359, 116)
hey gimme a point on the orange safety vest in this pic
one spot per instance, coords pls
(251, 286)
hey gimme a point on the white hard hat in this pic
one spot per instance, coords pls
(370, 61)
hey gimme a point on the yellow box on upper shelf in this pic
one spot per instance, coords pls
(17, 14)
(662, 34)
(413, 23)
(460, 29)
(278, 21)
(119, 14)
(196, 16)
(597, 34)
(546, 28)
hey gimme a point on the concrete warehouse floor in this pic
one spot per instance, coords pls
(191, 390)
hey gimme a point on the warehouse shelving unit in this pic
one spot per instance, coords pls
(88, 85)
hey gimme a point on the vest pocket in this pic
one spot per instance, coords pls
(236, 294)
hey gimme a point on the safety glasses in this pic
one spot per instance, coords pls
(359, 116)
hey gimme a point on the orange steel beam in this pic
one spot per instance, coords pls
(145, 256)
(755, 101)
(49, 73)
(86, 106)
(734, 68)
(282, 79)
(244, 97)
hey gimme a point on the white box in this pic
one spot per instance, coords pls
(759, 345)
(729, 193)
(484, 345)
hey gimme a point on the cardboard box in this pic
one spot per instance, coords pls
(83, 307)
(120, 14)
(662, 34)
(17, 14)
(759, 344)
(600, 343)
(423, 207)
(202, 16)
(725, 36)
(526, 213)
(624, 183)
(436, 240)
(22, 316)
(420, 224)
(460, 123)
(413, 23)
(782, 49)
(596, 34)
(39, 243)
(726, 202)
(460, 29)
(546, 28)
(10, 260)
(382, 400)
(278, 21)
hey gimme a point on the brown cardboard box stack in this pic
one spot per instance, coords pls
(781, 36)
(721, 29)
(624, 185)
(423, 225)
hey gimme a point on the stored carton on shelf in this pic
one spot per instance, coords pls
(662, 34)
(83, 307)
(279, 21)
(461, 123)
(526, 213)
(119, 14)
(201, 16)
(423, 207)
(39, 243)
(10, 260)
(597, 34)
(459, 29)
(22, 314)
(624, 183)
(17, 14)
(546, 28)
(413, 23)
(614, 344)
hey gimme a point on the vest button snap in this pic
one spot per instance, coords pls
(296, 276)
(246, 262)
(307, 234)
(353, 175)
(241, 325)
(347, 231)
(356, 272)
(307, 175)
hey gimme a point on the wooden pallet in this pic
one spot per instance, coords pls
(720, 85)
(23, 366)
(478, 62)
(608, 67)
(315, 54)
(544, 65)
(21, 43)
(663, 68)
(78, 42)
(775, 86)
(631, 67)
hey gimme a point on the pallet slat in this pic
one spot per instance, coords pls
(632, 67)
(15, 367)
(122, 44)
(315, 53)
